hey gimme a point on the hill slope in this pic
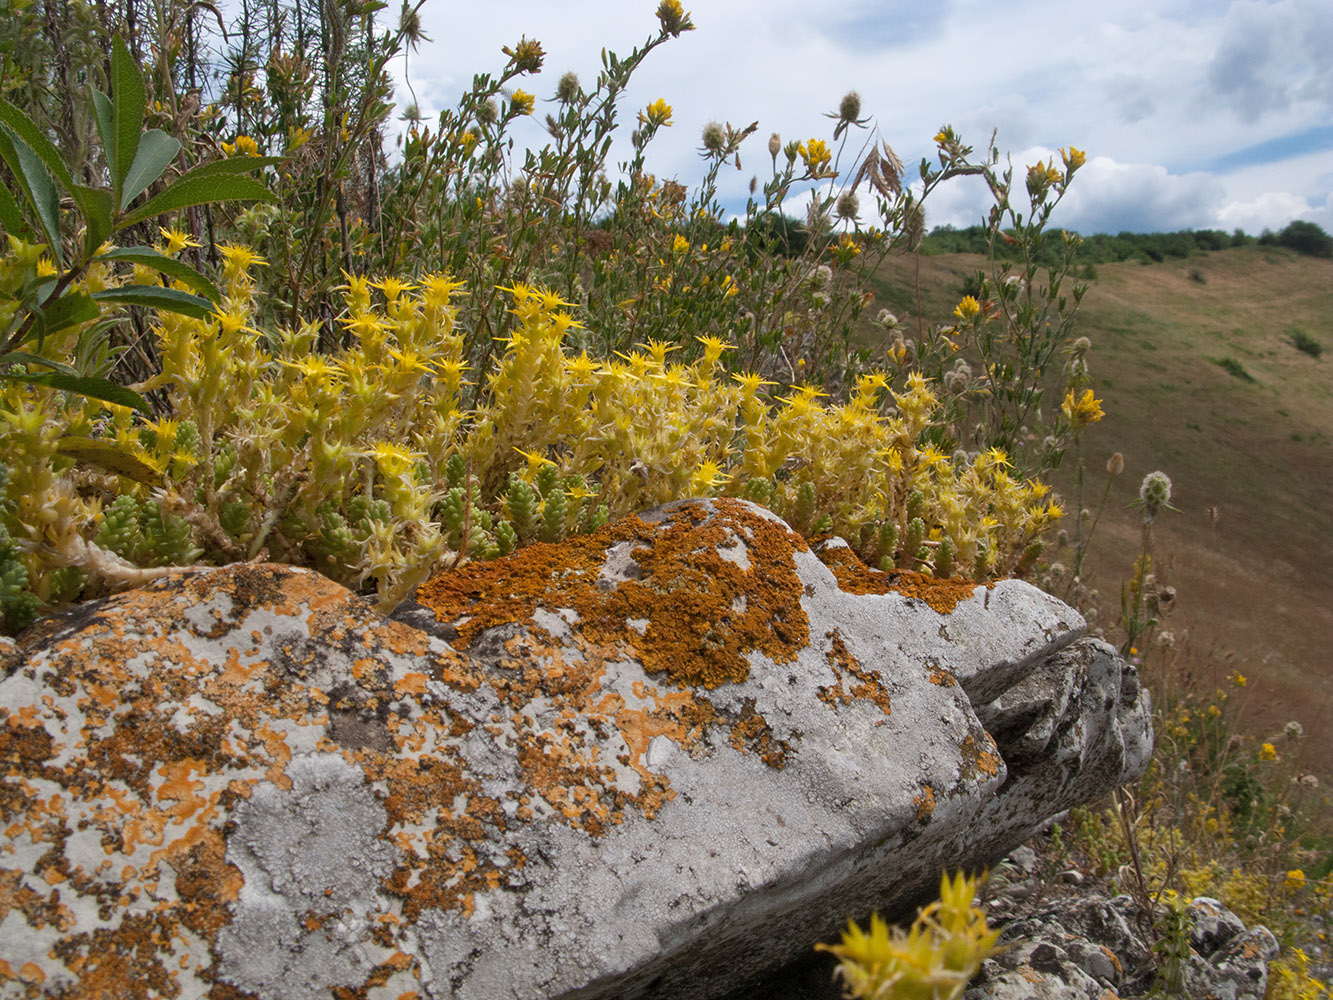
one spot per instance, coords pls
(1200, 378)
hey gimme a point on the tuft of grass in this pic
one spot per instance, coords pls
(1234, 367)
(1302, 341)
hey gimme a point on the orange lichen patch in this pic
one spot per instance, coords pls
(704, 611)
(751, 732)
(978, 760)
(677, 715)
(865, 683)
(412, 682)
(925, 803)
(855, 577)
(939, 676)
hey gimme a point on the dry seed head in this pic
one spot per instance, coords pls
(849, 109)
(1155, 493)
(568, 88)
(714, 138)
(848, 206)
(1115, 464)
(774, 145)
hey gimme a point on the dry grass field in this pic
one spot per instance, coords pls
(1195, 362)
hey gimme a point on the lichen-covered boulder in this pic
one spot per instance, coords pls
(653, 761)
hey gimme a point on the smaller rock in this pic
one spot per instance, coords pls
(1211, 925)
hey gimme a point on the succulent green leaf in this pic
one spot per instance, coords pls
(169, 266)
(128, 101)
(205, 185)
(93, 388)
(156, 151)
(157, 297)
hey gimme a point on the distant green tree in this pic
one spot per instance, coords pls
(1304, 237)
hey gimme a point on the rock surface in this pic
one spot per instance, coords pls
(653, 761)
(1092, 948)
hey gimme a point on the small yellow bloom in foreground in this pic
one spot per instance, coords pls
(1082, 410)
(1237, 679)
(680, 244)
(1295, 879)
(658, 113)
(1074, 159)
(968, 308)
(1268, 752)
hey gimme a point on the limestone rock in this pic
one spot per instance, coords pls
(653, 761)
(1091, 948)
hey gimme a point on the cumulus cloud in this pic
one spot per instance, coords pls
(1161, 94)
(1272, 55)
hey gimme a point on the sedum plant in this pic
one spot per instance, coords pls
(368, 464)
(932, 960)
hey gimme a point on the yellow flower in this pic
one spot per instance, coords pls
(1237, 679)
(535, 461)
(522, 102)
(673, 17)
(46, 269)
(243, 146)
(392, 287)
(1295, 879)
(750, 382)
(817, 157)
(713, 348)
(392, 459)
(176, 241)
(1268, 752)
(657, 114)
(680, 244)
(1082, 410)
(239, 259)
(968, 308)
(706, 478)
(1074, 158)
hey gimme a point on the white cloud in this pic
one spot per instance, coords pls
(1151, 88)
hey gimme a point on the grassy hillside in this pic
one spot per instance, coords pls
(1196, 363)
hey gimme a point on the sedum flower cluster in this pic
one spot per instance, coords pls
(933, 960)
(379, 462)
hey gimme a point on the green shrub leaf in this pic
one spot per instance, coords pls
(22, 126)
(96, 206)
(156, 151)
(129, 99)
(157, 297)
(206, 185)
(110, 456)
(169, 266)
(76, 307)
(38, 188)
(93, 388)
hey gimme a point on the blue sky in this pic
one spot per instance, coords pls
(1193, 114)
